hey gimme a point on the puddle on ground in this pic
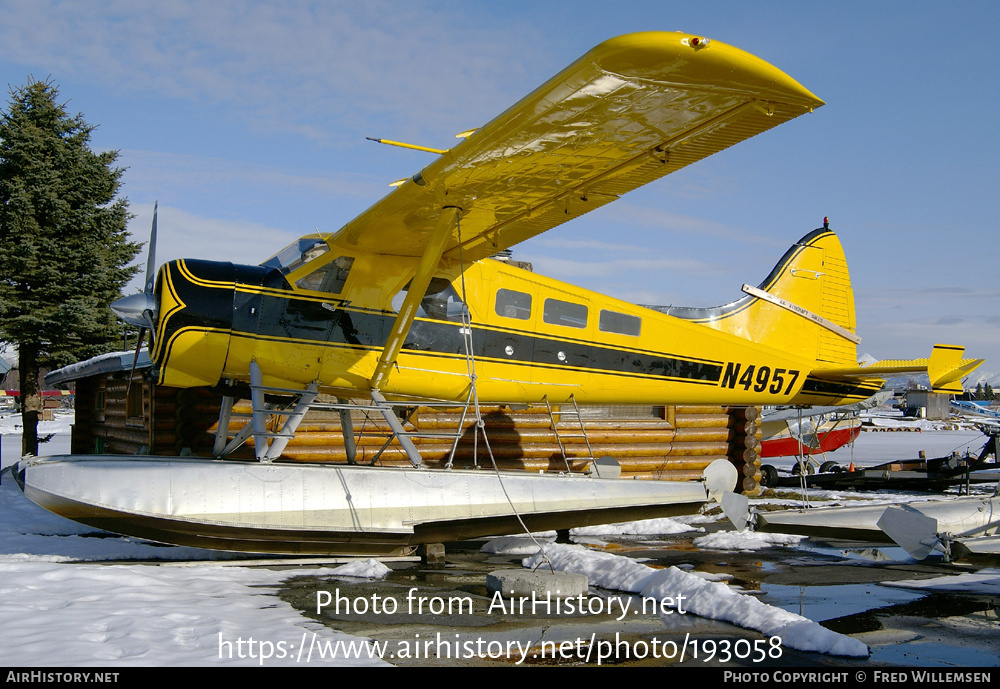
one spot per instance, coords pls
(901, 626)
(932, 608)
(879, 554)
(932, 654)
(820, 603)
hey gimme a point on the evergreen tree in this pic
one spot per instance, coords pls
(64, 248)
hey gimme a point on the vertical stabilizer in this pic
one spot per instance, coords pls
(805, 306)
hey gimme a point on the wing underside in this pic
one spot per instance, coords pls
(630, 111)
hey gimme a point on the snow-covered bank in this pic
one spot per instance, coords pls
(713, 600)
(745, 540)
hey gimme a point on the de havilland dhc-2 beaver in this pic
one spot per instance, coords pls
(405, 303)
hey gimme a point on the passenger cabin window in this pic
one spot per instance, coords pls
(621, 323)
(441, 302)
(297, 254)
(511, 304)
(330, 278)
(565, 313)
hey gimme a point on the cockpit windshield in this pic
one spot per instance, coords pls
(296, 254)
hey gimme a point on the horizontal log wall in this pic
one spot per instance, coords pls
(662, 443)
(105, 422)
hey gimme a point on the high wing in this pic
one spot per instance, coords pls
(630, 111)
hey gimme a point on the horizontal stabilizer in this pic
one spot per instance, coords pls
(945, 367)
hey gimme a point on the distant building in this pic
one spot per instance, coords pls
(928, 405)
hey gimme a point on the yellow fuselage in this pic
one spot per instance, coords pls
(531, 338)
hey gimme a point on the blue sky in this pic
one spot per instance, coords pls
(247, 121)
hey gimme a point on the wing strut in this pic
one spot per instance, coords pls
(418, 287)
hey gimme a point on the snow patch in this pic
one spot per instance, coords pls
(647, 527)
(708, 599)
(747, 540)
(515, 545)
(362, 569)
(78, 615)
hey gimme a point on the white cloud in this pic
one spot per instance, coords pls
(294, 66)
(159, 172)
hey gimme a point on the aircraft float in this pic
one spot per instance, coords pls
(405, 303)
(959, 527)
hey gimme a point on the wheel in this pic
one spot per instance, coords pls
(768, 476)
(830, 468)
(797, 468)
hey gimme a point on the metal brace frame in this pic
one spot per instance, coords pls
(268, 445)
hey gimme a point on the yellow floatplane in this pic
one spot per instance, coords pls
(404, 303)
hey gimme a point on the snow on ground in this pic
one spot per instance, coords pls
(58, 610)
(525, 545)
(517, 545)
(10, 424)
(704, 598)
(61, 606)
(362, 569)
(65, 614)
(746, 540)
(662, 526)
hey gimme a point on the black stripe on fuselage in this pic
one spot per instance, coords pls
(323, 324)
(836, 389)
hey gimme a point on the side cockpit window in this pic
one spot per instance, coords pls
(329, 278)
(441, 302)
(297, 254)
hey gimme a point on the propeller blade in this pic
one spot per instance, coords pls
(736, 507)
(720, 476)
(151, 255)
(140, 309)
